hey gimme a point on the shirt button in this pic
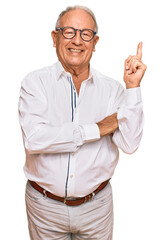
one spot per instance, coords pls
(71, 176)
(72, 153)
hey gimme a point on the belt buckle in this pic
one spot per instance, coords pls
(69, 199)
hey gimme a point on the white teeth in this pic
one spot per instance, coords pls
(75, 50)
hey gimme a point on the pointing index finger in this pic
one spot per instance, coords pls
(139, 50)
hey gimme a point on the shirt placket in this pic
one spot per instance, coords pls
(70, 181)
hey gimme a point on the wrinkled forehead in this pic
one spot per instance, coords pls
(77, 18)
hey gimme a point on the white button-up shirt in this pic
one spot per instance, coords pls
(64, 151)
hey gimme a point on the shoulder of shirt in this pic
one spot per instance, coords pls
(102, 79)
(39, 73)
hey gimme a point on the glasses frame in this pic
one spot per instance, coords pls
(75, 32)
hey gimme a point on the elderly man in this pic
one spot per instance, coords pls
(73, 121)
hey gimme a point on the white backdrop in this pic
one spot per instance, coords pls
(25, 45)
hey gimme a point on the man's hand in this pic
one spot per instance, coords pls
(108, 125)
(134, 69)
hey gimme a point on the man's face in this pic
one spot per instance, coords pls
(66, 48)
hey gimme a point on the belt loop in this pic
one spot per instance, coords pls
(44, 193)
(93, 194)
(85, 199)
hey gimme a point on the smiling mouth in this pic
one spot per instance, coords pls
(75, 50)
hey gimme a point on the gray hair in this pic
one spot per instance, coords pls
(86, 9)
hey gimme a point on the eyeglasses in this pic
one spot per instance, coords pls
(70, 32)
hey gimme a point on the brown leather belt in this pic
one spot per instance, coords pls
(67, 201)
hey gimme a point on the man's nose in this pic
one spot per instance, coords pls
(77, 39)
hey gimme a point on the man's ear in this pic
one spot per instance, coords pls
(96, 39)
(54, 37)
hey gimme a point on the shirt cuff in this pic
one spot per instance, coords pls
(90, 132)
(132, 96)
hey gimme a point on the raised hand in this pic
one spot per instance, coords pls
(134, 69)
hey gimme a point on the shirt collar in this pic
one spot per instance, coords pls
(60, 70)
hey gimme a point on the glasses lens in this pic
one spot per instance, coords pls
(87, 34)
(68, 32)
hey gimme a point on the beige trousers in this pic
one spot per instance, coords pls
(50, 220)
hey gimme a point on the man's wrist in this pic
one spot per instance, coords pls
(128, 86)
(108, 125)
